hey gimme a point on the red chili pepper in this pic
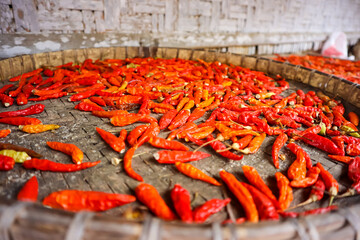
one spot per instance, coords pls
(297, 170)
(6, 100)
(98, 100)
(109, 114)
(330, 182)
(354, 118)
(186, 127)
(180, 119)
(310, 179)
(322, 143)
(29, 192)
(354, 170)
(265, 207)
(319, 211)
(242, 194)
(47, 72)
(353, 149)
(196, 114)
(88, 107)
(182, 204)
(6, 163)
(48, 165)
(136, 133)
(149, 196)
(52, 96)
(278, 144)
(152, 131)
(295, 148)
(76, 200)
(166, 144)
(167, 118)
(212, 206)
(316, 194)
(5, 88)
(34, 109)
(219, 146)
(69, 149)
(127, 165)
(170, 157)
(254, 145)
(124, 120)
(20, 121)
(26, 75)
(344, 159)
(115, 143)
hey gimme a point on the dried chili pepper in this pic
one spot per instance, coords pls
(76, 200)
(115, 143)
(149, 196)
(330, 182)
(26, 75)
(319, 210)
(322, 143)
(295, 148)
(354, 170)
(127, 165)
(124, 120)
(191, 171)
(167, 118)
(109, 114)
(255, 179)
(186, 127)
(353, 149)
(70, 149)
(316, 194)
(19, 157)
(219, 146)
(48, 165)
(180, 119)
(344, 159)
(354, 118)
(88, 107)
(254, 145)
(30, 191)
(20, 149)
(51, 96)
(20, 121)
(278, 144)
(6, 163)
(166, 144)
(265, 207)
(285, 191)
(171, 157)
(6, 100)
(212, 206)
(136, 133)
(39, 128)
(4, 133)
(310, 179)
(242, 194)
(6, 87)
(297, 170)
(182, 204)
(152, 131)
(196, 114)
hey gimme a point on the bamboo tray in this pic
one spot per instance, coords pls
(32, 221)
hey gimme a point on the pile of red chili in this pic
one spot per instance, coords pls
(342, 68)
(235, 110)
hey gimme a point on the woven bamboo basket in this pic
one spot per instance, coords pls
(19, 220)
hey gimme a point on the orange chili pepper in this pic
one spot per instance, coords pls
(29, 192)
(330, 182)
(242, 194)
(171, 157)
(254, 145)
(149, 196)
(310, 179)
(70, 149)
(180, 119)
(286, 193)
(127, 165)
(189, 105)
(191, 171)
(124, 120)
(278, 144)
(136, 133)
(152, 131)
(4, 132)
(354, 118)
(255, 179)
(39, 128)
(344, 159)
(109, 114)
(182, 103)
(115, 143)
(297, 169)
(166, 144)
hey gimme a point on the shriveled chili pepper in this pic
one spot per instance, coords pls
(196, 114)
(26, 75)
(242, 142)
(70, 149)
(4, 133)
(344, 159)
(39, 128)
(180, 119)
(182, 103)
(212, 206)
(242, 194)
(297, 170)
(6, 100)
(255, 179)
(353, 149)
(191, 171)
(114, 142)
(6, 163)
(331, 184)
(310, 179)
(354, 170)
(29, 192)
(88, 107)
(109, 114)
(171, 157)
(6, 87)
(127, 164)
(254, 145)
(295, 148)
(77, 200)
(319, 210)
(285, 191)
(20, 149)
(219, 147)
(278, 144)
(48, 165)
(152, 131)
(166, 144)
(265, 207)
(182, 204)
(136, 133)
(186, 127)
(316, 194)
(19, 157)
(124, 120)
(167, 118)
(149, 196)
(20, 121)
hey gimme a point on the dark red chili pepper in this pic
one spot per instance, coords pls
(264, 205)
(6, 163)
(182, 204)
(47, 165)
(20, 121)
(319, 211)
(5, 88)
(30, 191)
(52, 96)
(218, 146)
(353, 149)
(212, 206)
(354, 170)
(322, 143)
(278, 144)
(180, 119)
(6, 100)
(167, 118)
(330, 182)
(34, 109)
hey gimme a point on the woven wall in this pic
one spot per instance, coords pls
(243, 26)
